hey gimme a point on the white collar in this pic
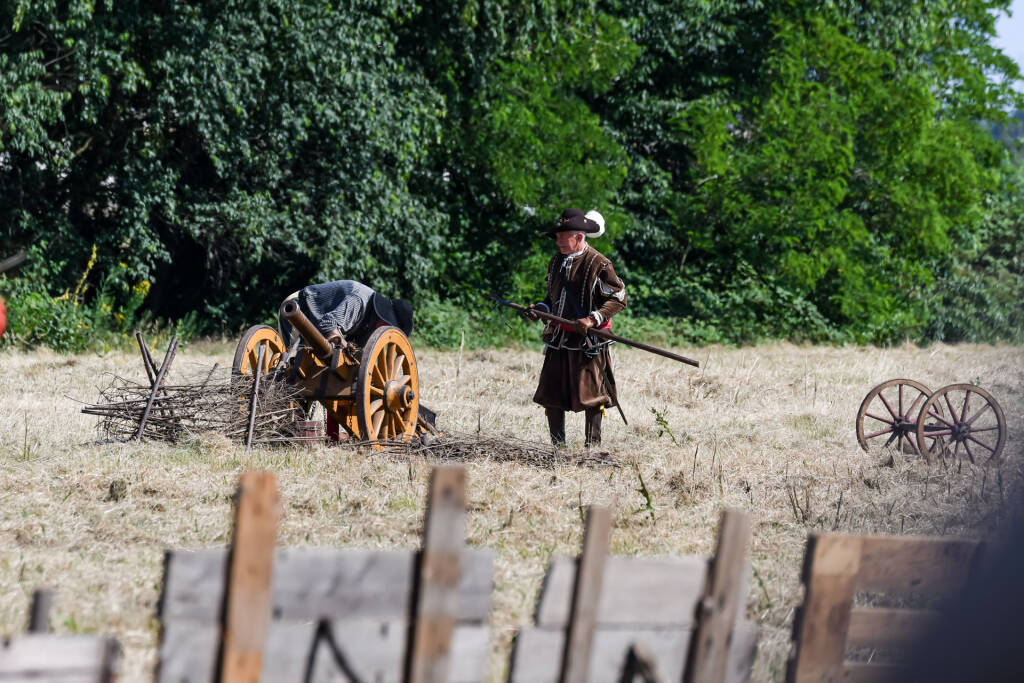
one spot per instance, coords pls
(570, 257)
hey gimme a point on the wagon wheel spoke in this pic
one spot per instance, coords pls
(887, 443)
(940, 419)
(880, 419)
(884, 431)
(986, 447)
(969, 454)
(984, 429)
(392, 352)
(952, 413)
(978, 414)
(888, 407)
(376, 391)
(377, 420)
(376, 405)
(967, 400)
(939, 432)
(900, 404)
(399, 365)
(377, 377)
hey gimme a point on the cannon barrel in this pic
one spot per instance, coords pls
(291, 312)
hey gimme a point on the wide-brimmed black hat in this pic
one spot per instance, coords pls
(573, 220)
(396, 312)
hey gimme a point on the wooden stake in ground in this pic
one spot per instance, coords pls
(579, 637)
(716, 622)
(247, 600)
(157, 385)
(439, 573)
(39, 612)
(255, 395)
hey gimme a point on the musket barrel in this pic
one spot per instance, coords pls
(601, 333)
(291, 312)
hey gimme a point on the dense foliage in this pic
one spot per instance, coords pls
(816, 170)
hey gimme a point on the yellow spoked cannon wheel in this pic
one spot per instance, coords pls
(387, 388)
(248, 351)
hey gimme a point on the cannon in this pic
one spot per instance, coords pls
(958, 420)
(371, 392)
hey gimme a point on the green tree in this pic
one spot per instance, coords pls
(229, 152)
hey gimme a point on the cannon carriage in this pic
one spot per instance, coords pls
(372, 392)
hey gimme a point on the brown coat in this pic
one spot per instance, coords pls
(569, 379)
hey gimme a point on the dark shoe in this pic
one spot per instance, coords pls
(556, 425)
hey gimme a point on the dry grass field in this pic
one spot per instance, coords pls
(767, 428)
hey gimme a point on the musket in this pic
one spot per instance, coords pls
(13, 261)
(604, 334)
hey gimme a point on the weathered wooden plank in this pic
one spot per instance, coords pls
(939, 566)
(58, 658)
(586, 596)
(538, 651)
(648, 591)
(440, 562)
(247, 602)
(316, 583)
(825, 616)
(888, 627)
(373, 650)
(723, 597)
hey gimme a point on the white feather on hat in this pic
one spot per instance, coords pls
(597, 218)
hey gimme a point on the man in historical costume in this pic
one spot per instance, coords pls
(581, 286)
(345, 312)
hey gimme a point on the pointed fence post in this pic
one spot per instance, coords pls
(247, 599)
(440, 568)
(39, 612)
(716, 620)
(586, 594)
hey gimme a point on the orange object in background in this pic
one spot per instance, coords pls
(3, 317)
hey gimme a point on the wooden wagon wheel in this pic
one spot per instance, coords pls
(387, 388)
(888, 415)
(974, 428)
(248, 350)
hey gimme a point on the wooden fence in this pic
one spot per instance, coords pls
(829, 631)
(255, 612)
(43, 657)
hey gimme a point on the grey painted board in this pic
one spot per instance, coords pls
(373, 650)
(538, 652)
(641, 591)
(56, 658)
(311, 584)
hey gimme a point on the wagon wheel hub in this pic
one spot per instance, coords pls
(960, 431)
(398, 396)
(905, 426)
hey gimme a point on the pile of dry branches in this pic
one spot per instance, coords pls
(217, 403)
